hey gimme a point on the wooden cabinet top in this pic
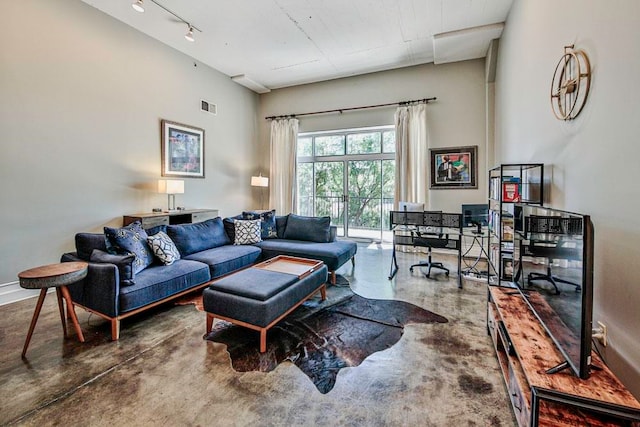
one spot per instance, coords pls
(172, 213)
(537, 354)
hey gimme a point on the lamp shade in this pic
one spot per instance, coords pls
(259, 181)
(171, 186)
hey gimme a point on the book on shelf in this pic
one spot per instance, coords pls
(511, 189)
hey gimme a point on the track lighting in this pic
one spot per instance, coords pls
(138, 6)
(189, 35)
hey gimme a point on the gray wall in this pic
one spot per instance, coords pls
(457, 118)
(594, 157)
(82, 96)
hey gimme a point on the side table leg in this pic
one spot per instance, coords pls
(34, 320)
(72, 311)
(61, 309)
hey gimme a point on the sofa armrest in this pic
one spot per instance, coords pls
(100, 290)
(333, 233)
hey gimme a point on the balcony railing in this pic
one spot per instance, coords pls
(368, 222)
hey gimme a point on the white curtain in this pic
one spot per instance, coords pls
(412, 155)
(284, 136)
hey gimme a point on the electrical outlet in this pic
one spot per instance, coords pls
(601, 333)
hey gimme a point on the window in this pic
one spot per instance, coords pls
(348, 175)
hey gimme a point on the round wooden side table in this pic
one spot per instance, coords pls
(54, 276)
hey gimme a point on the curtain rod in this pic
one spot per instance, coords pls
(341, 110)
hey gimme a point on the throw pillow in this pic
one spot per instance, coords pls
(123, 262)
(268, 225)
(247, 232)
(229, 226)
(163, 247)
(309, 228)
(131, 239)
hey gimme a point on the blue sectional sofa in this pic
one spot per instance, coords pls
(119, 285)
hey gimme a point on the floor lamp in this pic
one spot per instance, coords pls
(260, 181)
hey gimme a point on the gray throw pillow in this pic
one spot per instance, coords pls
(247, 232)
(163, 248)
(308, 228)
(123, 262)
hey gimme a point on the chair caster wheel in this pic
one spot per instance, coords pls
(411, 270)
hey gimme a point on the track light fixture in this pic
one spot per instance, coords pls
(138, 6)
(189, 35)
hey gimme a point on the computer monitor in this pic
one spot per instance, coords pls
(475, 215)
(410, 207)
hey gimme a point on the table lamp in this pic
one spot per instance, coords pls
(171, 187)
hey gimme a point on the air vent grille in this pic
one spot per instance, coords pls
(209, 107)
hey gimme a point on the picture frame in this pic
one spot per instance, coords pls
(182, 150)
(454, 167)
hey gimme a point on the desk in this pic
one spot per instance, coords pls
(426, 229)
(479, 240)
(54, 276)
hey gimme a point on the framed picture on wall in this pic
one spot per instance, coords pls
(455, 167)
(182, 150)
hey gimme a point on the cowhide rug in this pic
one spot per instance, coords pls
(322, 337)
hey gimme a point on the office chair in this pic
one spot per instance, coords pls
(430, 236)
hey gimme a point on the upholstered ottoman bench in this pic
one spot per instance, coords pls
(262, 295)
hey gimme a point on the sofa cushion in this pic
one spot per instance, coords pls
(87, 242)
(247, 231)
(123, 262)
(268, 228)
(163, 248)
(308, 228)
(192, 238)
(333, 254)
(255, 283)
(130, 239)
(161, 281)
(226, 259)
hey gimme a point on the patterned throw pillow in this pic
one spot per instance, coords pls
(268, 226)
(131, 239)
(163, 248)
(247, 232)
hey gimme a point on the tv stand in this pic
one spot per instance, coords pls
(526, 353)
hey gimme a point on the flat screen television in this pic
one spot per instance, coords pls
(553, 256)
(475, 216)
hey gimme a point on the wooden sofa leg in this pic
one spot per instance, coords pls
(333, 277)
(115, 329)
(263, 340)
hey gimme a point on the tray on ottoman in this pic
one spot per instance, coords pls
(260, 296)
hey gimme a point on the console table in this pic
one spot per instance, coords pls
(153, 219)
(525, 352)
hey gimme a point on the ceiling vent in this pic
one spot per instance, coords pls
(209, 107)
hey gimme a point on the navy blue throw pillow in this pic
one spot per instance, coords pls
(123, 262)
(309, 228)
(192, 238)
(131, 239)
(268, 228)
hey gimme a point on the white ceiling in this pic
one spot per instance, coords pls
(279, 43)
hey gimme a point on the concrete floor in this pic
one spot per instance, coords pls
(161, 371)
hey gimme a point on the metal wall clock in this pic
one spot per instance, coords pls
(570, 84)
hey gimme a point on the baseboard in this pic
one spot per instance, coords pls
(12, 292)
